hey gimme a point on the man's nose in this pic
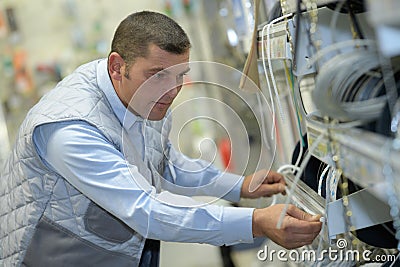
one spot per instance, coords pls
(173, 92)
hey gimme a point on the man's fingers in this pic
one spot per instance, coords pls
(274, 177)
(268, 190)
(303, 227)
(299, 236)
(301, 232)
(298, 228)
(295, 212)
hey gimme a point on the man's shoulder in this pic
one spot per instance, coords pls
(90, 65)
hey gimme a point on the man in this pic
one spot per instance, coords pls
(82, 186)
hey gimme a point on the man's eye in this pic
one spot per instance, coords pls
(180, 76)
(160, 75)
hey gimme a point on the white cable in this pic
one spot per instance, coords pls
(389, 230)
(266, 72)
(268, 84)
(291, 167)
(288, 192)
(307, 157)
(270, 63)
(394, 262)
(327, 190)
(321, 179)
(273, 78)
(283, 170)
(319, 249)
(339, 75)
(263, 131)
(274, 200)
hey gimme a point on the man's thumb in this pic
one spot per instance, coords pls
(302, 215)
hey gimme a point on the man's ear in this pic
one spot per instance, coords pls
(115, 66)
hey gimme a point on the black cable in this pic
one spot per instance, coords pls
(354, 21)
(357, 6)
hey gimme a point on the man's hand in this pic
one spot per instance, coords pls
(270, 183)
(298, 227)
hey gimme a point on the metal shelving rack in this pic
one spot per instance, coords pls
(363, 156)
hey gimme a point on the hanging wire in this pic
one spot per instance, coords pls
(296, 112)
(270, 63)
(306, 159)
(266, 72)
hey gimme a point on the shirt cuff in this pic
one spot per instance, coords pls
(237, 225)
(232, 184)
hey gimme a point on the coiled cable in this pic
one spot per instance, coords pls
(337, 77)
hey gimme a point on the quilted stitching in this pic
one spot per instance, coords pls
(28, 190)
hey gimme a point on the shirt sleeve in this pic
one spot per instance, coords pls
(86, 159)
(199, 177)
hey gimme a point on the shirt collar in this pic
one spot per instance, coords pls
(126, 118)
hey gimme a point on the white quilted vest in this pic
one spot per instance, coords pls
(31, 193)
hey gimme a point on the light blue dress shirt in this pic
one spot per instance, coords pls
(82, 154)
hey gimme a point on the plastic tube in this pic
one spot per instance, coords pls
(270, 63)
(263, 130)
(265, 68)
(267, 80)
(321, 179)
(297, 177)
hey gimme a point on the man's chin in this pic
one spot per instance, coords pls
(156, 115)
(155, 118)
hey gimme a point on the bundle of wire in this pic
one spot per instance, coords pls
(350, 87)
(321, 259)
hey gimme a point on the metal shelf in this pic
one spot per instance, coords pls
(362, 155)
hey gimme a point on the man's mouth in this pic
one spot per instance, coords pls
(163, 104)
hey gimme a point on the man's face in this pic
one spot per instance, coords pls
(150, 84)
